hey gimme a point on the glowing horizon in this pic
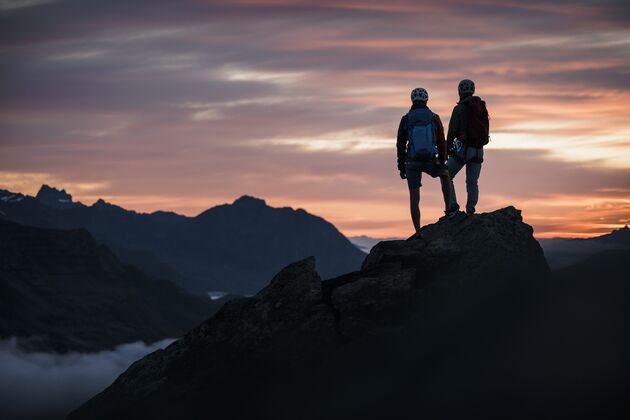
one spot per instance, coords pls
(146, 204)
(182, 107)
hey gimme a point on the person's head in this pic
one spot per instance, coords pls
(466, 88)
(419, 95)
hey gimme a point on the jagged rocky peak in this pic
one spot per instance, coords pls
(7, 196)
(249, 201)
(302, 342)
(54, 198)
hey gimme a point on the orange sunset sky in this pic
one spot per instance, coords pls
(184, 105)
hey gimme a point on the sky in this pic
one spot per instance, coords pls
(183, 105)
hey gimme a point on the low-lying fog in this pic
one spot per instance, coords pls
(50, 385)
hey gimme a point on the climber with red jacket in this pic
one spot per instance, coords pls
(468, 132)
(422, 148)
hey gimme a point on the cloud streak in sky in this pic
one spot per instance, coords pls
(298, 102)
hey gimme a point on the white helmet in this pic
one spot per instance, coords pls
(419, 94)
(465, 87)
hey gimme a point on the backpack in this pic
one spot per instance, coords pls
(477, 123)
(421, 134)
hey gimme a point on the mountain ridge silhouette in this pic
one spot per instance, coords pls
(229, 247)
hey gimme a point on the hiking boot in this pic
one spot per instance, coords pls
(415, 237)
(450, 213)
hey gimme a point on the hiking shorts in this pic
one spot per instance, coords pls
(414, 172)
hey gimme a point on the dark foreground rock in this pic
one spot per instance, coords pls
(433, 328)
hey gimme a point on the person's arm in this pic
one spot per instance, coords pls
(401, 143)
(439, 139)
(453, 127)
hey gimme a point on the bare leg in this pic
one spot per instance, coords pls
(414, 205)
(446, 191)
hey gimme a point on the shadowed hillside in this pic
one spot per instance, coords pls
(60, 291)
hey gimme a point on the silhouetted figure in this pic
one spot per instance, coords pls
(467, 134)
(422, 148)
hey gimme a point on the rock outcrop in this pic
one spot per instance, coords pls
(425, 328)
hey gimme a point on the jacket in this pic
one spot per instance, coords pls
(457, 123)
(403, 137)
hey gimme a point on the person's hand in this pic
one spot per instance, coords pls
(403, 174)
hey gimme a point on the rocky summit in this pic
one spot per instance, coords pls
(435, 327)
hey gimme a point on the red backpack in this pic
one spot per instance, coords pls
(478, 124)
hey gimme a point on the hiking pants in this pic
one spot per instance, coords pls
(471, 157)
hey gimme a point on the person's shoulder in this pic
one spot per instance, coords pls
(403, 121)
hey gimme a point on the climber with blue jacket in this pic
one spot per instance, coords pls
(421, 147)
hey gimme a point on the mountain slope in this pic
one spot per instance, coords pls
(366, 243)
(455, 326)
(247, 242)
(231, 247)
(61, 291)
(563, 252)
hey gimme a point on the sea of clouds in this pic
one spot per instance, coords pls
(50, 385)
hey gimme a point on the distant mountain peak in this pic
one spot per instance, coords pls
(46, 190)
(53, 197)
(250, 201)
(104, 205)
(620, 234)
